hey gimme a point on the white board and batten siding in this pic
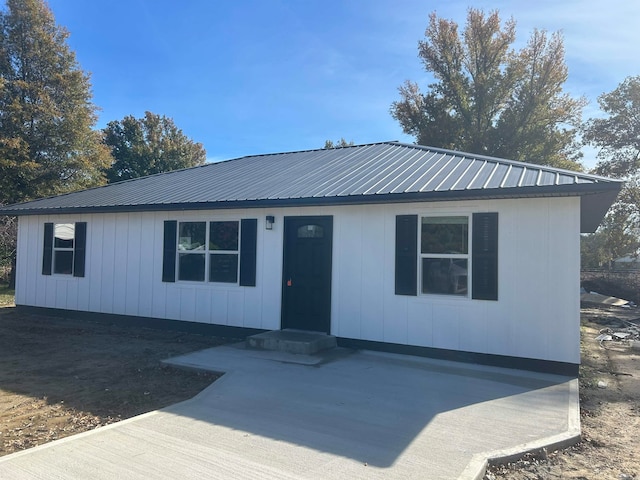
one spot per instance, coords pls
(536, 315)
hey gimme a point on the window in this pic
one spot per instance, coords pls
(64, 249)
(310, 231)
(63, 235)
(191, 251)
(208, 252)
(223, 251)
(223, 248)
(435, 255)
(444, 255)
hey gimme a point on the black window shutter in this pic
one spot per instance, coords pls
(484, 260)
(47, 253)
(80, 249)
(406, 255)
(169, 251)
(248, 247)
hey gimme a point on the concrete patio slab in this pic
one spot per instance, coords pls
(342, 415)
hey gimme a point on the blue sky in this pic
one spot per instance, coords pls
(249, 77)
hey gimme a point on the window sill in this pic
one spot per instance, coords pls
(443, 298)
(61, 276)
(203, 285)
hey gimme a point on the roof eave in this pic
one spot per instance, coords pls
(597, 198)
(593, 209)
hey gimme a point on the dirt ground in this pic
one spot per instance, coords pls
(60, 377)
(609, 409)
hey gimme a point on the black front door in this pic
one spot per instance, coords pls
(306, 283)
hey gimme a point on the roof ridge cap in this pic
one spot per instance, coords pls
(518, 163)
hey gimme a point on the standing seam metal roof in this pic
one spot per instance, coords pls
(388, 171)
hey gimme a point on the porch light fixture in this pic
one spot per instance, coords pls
(269, 222)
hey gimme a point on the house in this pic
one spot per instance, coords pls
(386, 246)
(628, 262)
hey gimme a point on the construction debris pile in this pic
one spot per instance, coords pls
(629, 333)
(598, 298)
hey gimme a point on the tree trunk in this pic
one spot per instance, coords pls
(12, 274)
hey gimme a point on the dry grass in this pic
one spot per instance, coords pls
(7, 296)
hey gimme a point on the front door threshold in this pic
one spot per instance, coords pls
(292, 341)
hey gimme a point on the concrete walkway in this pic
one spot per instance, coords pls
(356, 415)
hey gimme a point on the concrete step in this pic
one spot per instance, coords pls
(292, 341)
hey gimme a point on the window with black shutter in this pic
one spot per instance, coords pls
(64, 249)
(444, 255)
(441, 256)
(210, 251)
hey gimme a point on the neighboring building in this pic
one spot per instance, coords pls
(387, 245)
(629, 262)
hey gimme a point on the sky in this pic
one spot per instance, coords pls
(247, 77)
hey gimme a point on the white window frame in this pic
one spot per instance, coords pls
(223, 252)
(453, 256)
(63, 249)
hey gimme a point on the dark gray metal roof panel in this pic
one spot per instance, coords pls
(388, 171)
(529, 177)
(547, 178)
(419, 174)
(404, 168)
(462, 164)
(497, 174)
(565, 179)
(467, 169)
(512, 177)
(446, 167)
(478, 181)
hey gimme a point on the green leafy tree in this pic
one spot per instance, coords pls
(617, 135)
(47, 144)
(340, 143)
(614, 238)
(148, 145)
(8, 241)
(490, 99)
